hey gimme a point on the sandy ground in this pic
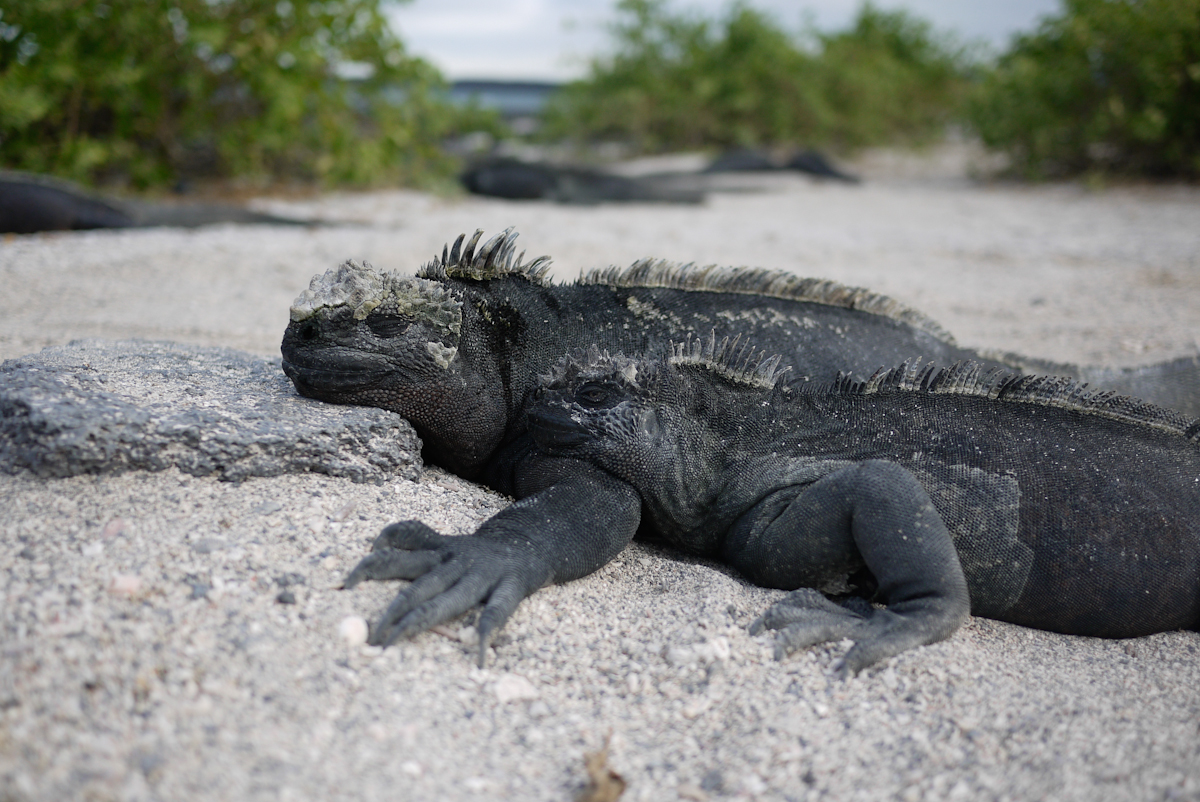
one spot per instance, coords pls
(144, 654)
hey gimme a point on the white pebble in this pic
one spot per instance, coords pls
(125, 584)
(353, 630)
(679, 656)
(514, 687)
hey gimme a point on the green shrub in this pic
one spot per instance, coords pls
(1107, 85)
(150, 91)
(891, 79)
(683, 81)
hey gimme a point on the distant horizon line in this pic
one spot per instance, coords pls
(538, 83)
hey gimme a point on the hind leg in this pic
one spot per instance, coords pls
(874, 514)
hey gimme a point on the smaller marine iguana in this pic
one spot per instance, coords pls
(938, 492)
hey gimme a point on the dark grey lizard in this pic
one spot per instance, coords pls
(457, 350)
(30, 203)
(937, 493)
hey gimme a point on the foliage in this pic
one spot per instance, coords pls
(682, 81)
(1110, 85)
(891, 79)
(150, 91)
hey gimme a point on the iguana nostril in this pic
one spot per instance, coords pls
(309, 331)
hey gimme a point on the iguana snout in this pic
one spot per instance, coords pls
(554, 429)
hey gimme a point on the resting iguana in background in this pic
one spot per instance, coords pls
(936, 492)
(457, 350)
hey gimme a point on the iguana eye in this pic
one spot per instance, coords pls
(594, 396)
(387, 326)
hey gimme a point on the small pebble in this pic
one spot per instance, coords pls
(287, 597)
(208, 545)
(353, 630)
(514, 687)
(125, 584)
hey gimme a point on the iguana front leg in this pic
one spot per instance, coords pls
(573, 518)
(874, 514)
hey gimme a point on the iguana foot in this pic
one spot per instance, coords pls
(805, 617)
(404, 550)
(451, 574)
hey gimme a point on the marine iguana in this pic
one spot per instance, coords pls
(30, 203)
(457, 350)
(506, 177)
(936, 492)
(808, 161)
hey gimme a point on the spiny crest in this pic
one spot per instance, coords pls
(760, 281)
(493, 260)
(594, 364)
(360, 287)
(739, 365)
(972, 379)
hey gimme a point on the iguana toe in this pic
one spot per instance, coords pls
(804, 605)
(410, 535)
(500, 606)
(392, 564)
(420, 608)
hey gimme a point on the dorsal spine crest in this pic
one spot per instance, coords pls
(738, 364)
(971, 379)
(764, 282)
(495, 259)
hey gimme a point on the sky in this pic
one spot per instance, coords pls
(552, 39)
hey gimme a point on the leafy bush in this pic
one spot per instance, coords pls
(891, 79)
(1107, 85)
(682, 81)
(154, 90)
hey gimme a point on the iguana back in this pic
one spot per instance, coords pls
(363, 337)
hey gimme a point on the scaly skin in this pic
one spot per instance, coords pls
(458, 351)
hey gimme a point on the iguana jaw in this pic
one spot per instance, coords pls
(411, 367)
(350, 375)
(554, 430)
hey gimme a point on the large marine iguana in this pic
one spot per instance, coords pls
(457, 350)
(935, 492)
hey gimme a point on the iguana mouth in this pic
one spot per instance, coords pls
(553, 431)
(345, 377)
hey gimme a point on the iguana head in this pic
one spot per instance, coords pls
(594, 402)
(404, 343)
(657, 423)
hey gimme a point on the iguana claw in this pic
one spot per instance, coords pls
(450, 575)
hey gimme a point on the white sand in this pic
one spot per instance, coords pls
(143, 654)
